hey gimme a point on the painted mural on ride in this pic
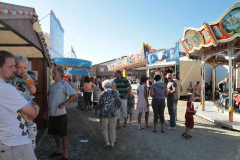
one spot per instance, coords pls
(225, 29)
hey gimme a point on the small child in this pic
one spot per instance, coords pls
(26, 91)
(130, 105)
(189, 122)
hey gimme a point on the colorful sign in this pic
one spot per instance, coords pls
(79, 72)
(208, 33)
(56, 36)
(119, 62)
(73, 62)
(162, 56)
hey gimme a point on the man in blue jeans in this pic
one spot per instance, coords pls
(172, 89)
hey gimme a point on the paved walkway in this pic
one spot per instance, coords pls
(218, 116)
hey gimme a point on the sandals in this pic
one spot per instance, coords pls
(54, 154)
(140, 128)
(154, 131)
(188, 136)
(183, 134)
(148, 126)
(162, 131)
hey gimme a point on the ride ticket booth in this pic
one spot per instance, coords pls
(217, 43)
(18, 36)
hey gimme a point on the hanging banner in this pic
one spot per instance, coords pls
(72, 62)
(79, 72)
(163, 56)
(124, 61)
(56, 36)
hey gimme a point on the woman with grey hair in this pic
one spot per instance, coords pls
(108, 104)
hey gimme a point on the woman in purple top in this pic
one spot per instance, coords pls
(159, 93)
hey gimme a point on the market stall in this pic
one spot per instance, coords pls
(135, 60)
(217, 43)
(18, 36)
(171, 60)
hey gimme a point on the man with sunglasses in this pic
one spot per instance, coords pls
(172, 89)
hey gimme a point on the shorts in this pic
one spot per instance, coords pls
(189, 122)
(21, 152)
(130, 110)
(124, 109)
(57, 125)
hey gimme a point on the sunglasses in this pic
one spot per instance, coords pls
(170, 78)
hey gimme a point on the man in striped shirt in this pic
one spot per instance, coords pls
(123, 86)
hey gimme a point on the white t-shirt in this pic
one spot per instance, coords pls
(13, 131)
(58, 93)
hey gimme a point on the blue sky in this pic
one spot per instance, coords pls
(102, 30)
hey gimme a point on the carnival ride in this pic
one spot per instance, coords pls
(217, 43)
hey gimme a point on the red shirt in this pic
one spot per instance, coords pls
(191, 107)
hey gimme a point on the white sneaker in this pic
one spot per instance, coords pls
(107, 144)
(112, 145)
(171, 128)
(32, 131)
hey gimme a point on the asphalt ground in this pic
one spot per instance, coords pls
(209, 141)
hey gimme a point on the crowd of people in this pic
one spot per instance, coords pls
(113, 98)
(117, 98)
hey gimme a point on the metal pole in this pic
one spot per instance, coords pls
(214, 82)
(230, 53)
(203, 84)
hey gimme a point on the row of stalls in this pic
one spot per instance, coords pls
(128, 63)
(161, 61)
(217, 43)
(20, 32)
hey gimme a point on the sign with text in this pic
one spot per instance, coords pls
(79, 72)
(73, 62)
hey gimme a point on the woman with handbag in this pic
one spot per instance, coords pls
(108, 104)
(142, 104)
